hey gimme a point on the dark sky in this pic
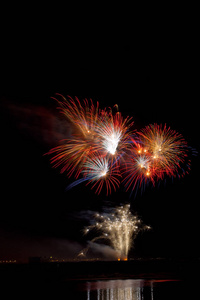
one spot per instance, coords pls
(152, 74)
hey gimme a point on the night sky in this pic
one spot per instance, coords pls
(152, 74)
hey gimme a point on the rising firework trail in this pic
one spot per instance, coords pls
(118, 228)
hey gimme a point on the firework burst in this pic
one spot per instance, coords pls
(100, 172)
(73, 152)
(168, 149)
(103, 147)
(158, 151)
(114, 133)
(100, 139)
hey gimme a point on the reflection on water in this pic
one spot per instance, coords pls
(118, 290)
(128, 290)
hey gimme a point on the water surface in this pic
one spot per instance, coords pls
(133, 289)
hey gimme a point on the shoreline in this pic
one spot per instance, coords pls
(102, 270)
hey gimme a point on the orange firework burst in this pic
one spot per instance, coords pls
(167, 148)
(158, 151)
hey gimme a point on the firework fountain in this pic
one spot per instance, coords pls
(119, 228)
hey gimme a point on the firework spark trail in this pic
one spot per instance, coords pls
(70, 156)
(84, 116)
(119, 228)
